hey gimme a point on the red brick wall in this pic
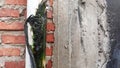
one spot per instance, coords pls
(12, 40)
(50, 34)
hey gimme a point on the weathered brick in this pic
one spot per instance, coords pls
(49, 64)
(50, 38)
(49, 51)
(16, 2)
(13, 64)
(50, 26)
(51, 2)
(9, 52)
(25, 13)
(11, 39)
(9, 13)
(11, 26)
(49, 14)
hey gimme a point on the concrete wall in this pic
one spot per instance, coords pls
(82, 34)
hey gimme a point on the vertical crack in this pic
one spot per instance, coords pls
(81, 38)
(102, 31)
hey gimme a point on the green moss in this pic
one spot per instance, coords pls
(39, 33)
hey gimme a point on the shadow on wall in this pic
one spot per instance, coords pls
(113, 13)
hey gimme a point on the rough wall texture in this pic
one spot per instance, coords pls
(82, 34)
(87, 34)
(12, 40)
(94, 34)
(50, 34)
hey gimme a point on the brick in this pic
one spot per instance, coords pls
(50, 26)
(25, 13)
(13, 64)
(11, 26)
(49, 64)
(49, 51)
(11, 39)
(16, 2)
(9, 13)
(9, 52)
(51, 2)
(50, 38)
(49, 14)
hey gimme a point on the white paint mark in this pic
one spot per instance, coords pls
(32, 6)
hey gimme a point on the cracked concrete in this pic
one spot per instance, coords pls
(96, 37)
(89, 32)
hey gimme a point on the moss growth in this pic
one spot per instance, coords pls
(38, 24)
(39, 31)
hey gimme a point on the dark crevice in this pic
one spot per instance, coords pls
(113, 15)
